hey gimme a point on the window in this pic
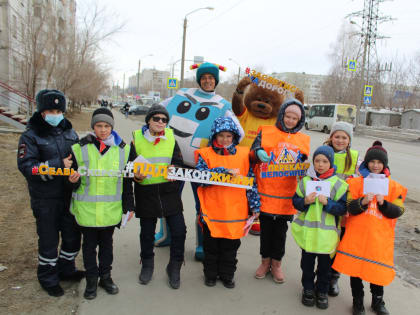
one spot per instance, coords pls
(14, 27)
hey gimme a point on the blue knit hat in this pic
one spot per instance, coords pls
(327, 151)
(207, 67)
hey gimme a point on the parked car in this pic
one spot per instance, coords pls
(323, 116)
(138, 110)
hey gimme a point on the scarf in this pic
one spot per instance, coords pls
(364, 171)
(153, 139)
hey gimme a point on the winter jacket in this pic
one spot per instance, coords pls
(158, 200)
(42, 143)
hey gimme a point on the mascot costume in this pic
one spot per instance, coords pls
(256, 106)
(192, 112)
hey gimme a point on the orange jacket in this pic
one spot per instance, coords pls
(276, 180)
(367, 248)
(225, 209)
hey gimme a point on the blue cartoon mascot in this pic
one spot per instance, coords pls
(192, 112)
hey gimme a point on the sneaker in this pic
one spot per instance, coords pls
(308, 297)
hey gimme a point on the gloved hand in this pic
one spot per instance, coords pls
(263, 156)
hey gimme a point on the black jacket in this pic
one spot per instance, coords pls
(43, 143)
(127, 191)
(158, 200)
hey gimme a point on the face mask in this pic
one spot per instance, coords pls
(54, 120)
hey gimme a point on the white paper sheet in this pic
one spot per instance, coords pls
(377, 186)
(320, 187)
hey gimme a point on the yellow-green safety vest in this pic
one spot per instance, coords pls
(315, 230)
(98, 200)
(159, 154)
(340, 163)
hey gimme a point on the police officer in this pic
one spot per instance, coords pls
(48, 140)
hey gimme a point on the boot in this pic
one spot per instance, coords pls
(146, 272)
(91, 287)
(378, 305)
(54, 291)
(173, 269)
(199, 252)
(107, 283)
(263, 269)
(334, 290)
(163, 237)
(358, 307)
(228, 283)
(322, 300)
(276, 271)
(308, 297)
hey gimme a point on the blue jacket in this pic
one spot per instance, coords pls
(43, 143)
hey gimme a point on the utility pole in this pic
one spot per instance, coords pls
(123, 93)
(369, 34)
(181, 84)
(138, 78)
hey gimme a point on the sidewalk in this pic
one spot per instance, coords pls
(251, 296)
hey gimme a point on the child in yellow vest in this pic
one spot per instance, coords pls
(318, 241)
(224, 210)
(347, 162)
(366, 251)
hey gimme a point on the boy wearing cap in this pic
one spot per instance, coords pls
(48, 140)
(157, 197)
(317, 228)
(98, 202)
(283, 148)
(366, 251)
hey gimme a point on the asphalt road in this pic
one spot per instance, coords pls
(251, 296)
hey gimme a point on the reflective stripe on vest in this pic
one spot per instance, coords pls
(365, 259)
(315, 230)
(340, 163)
(159, 154)
(99, 198)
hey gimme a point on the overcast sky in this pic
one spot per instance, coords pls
(280, 35)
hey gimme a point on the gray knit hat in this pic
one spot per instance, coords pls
(102, 114)
(343, 126)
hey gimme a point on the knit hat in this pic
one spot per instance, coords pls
(343, 126)
(156, 109)
(327, 151)
(377, 152)
(50, 99)
(294, 109)
(102, 114)
(207, 67)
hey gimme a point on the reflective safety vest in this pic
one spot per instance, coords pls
(367, 248)
(159, 154)
(315, 230)
(340, 163)
(277, 192)
(97, 202)
(225, 209)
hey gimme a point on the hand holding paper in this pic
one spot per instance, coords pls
(248, 224)
(127, 217)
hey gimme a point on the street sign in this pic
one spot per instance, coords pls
(172, 83)
(351, 66)
(368, 90)
(367, 100)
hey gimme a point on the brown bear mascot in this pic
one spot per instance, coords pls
(256, 106)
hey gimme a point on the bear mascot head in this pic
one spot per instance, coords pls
(256, 106)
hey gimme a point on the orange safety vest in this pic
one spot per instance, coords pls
(225, 209)
(276, 180)
(367, 248)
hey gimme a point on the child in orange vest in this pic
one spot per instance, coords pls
(224, 210)
(279, 152)
(367, 248)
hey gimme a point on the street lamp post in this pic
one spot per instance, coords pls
(239, 68)
(183, 42)
(138, 72)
